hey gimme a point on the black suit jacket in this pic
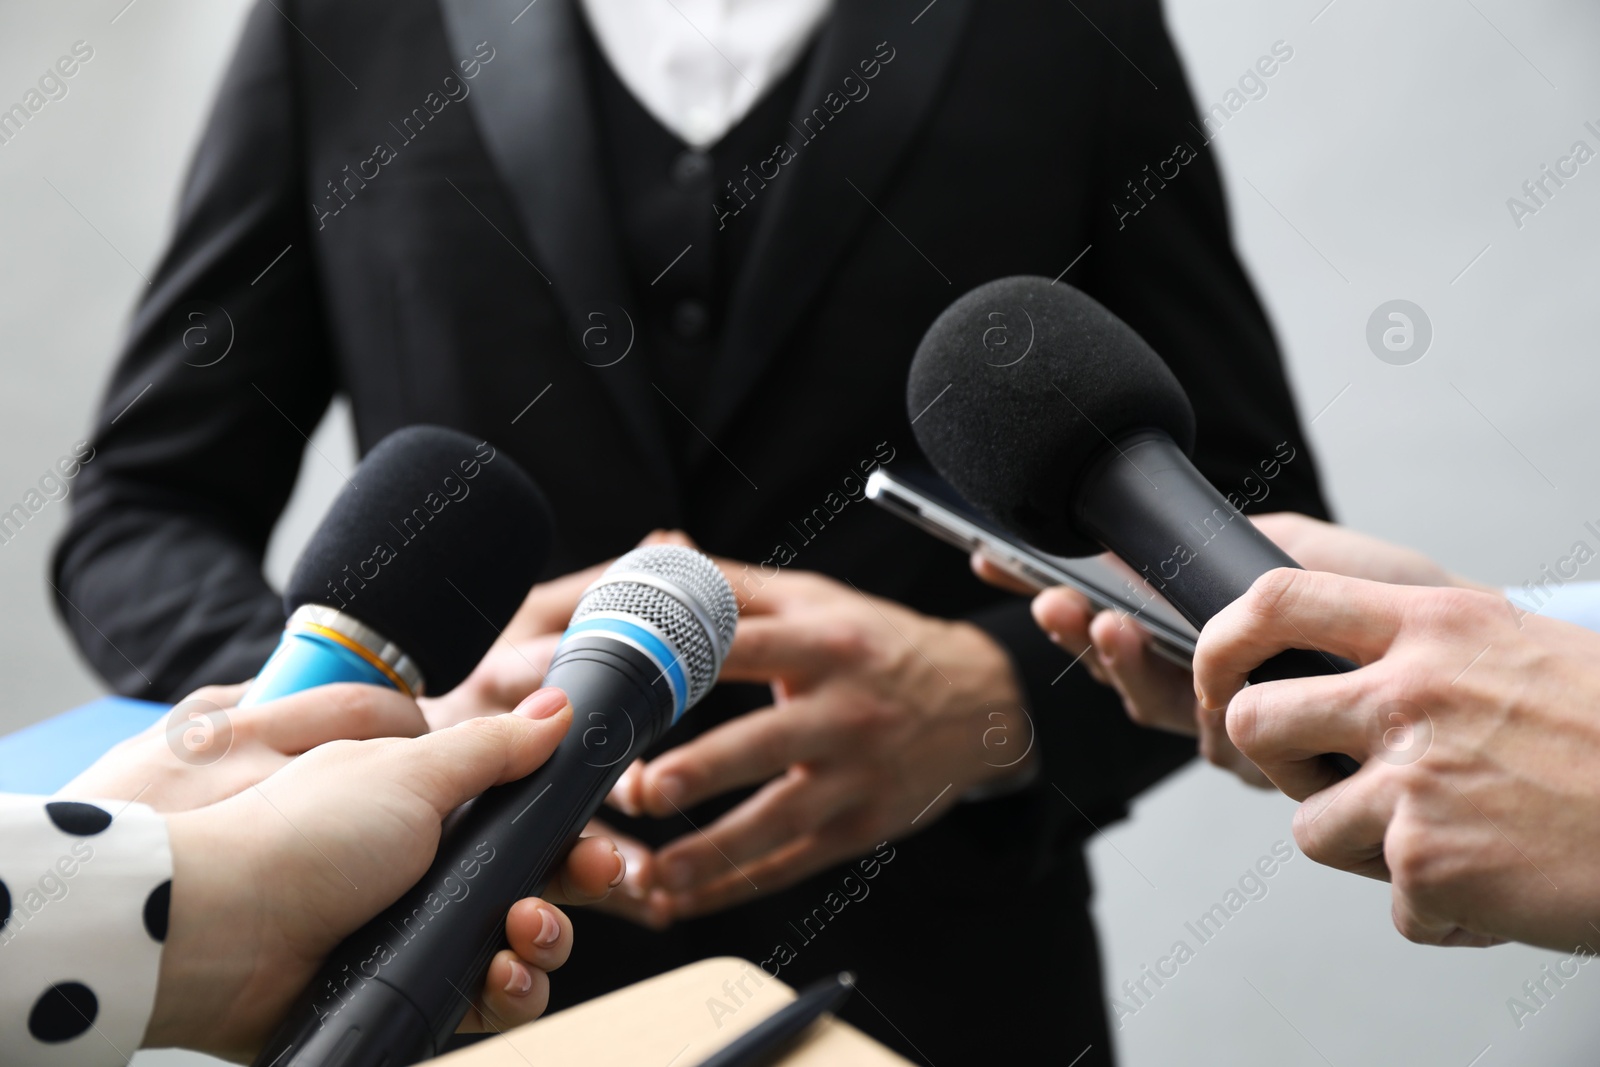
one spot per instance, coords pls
(455, 283)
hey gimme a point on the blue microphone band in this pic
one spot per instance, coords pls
(646, 640)
(321, 646)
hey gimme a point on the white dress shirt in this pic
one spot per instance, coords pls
(84, 894)
(699, 66)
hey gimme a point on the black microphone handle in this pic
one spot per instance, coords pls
(1149, 505)
(392, 992)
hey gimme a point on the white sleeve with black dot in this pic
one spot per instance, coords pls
(84, 892)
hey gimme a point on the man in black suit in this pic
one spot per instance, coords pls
(457, 212)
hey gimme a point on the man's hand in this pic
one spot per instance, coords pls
(1478, 730)
(515, 664)
(878, 725)
(513, 668)
(1159, 694)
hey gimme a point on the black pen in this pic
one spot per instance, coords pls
(772, 1036)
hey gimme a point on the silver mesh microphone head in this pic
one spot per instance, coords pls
(681, 595)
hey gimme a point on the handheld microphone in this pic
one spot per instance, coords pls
(1081, 444)
(420, 562)
(645, 644)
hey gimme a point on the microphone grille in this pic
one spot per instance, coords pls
(680, 593)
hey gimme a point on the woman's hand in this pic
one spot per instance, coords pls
(206, 749)
(266, 883)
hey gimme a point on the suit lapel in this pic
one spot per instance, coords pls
(814, 212)
(534, 111)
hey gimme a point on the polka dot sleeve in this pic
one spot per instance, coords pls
(84, 891)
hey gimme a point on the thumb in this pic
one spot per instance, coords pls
(1155, 692)
(450, 767)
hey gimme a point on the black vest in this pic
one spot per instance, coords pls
(686, 219)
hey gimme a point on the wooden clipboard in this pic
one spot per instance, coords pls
(678, 1018)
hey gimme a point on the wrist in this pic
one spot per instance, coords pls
(210, 951)
(1004, 723)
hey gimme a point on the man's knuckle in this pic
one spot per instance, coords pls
(1243, 720)
(770, 747)
(843, 639)
(792, 822)
(1413, 858)
(1410, 681)
(1274, 590)
(1456, 611)
(872, 722)
(1312, 839)
(870, 821)
(1409, 927)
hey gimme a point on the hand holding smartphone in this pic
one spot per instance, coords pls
(925, 501)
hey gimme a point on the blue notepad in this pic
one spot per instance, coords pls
(41, 758)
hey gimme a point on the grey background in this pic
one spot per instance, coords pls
(1375, 168)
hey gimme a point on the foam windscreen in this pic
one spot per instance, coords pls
(434, 544)
(1022, 383)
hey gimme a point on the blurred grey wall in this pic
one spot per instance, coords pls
(1372, 166)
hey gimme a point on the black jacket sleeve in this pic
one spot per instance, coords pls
(198, 442)
(1163, 261)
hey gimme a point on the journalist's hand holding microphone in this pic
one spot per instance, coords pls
(1437, 736)
(207, 748)
(304, 806)
(1478, 729)
(1157, 692)
(267, 882)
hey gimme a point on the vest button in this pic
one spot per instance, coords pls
(691, 167)
(690, 319)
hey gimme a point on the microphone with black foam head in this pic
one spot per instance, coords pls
(421, 561)
(1081, 444)
(645, 644)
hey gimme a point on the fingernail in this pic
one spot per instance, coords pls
(622, 869)
(521, 980)
(676, 874)
(549, 930)
(542, 704)
(1053, 636)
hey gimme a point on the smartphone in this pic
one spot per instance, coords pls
(925, 500)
